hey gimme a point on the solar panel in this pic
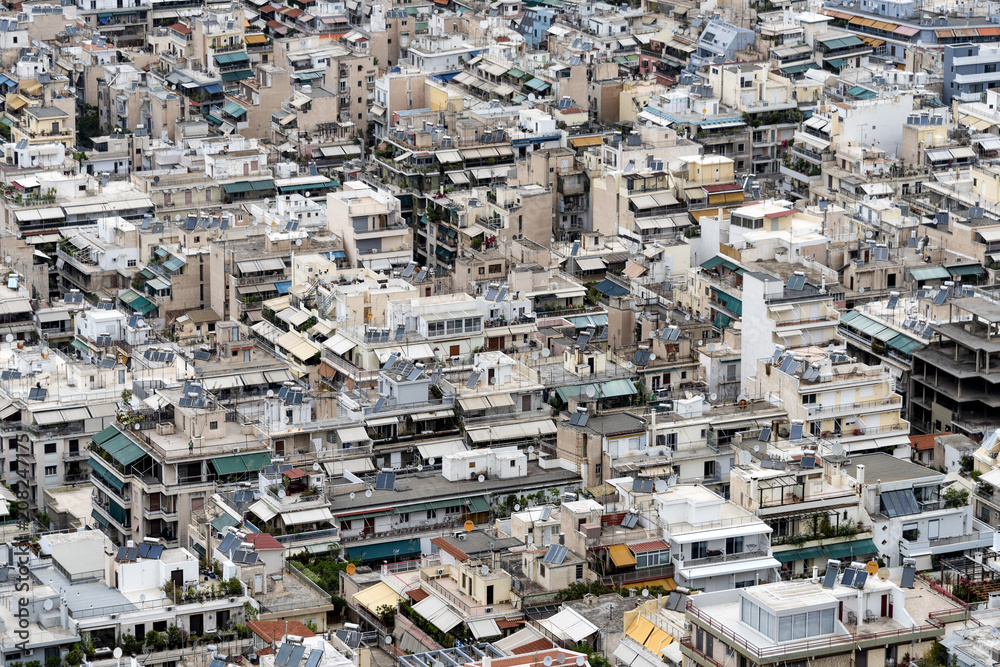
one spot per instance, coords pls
(227, 543)
(789, 366)
(408, 271)
(501, 295)
(384, 337)
(767, 463)
(378, 404)
(630, 520)
(473, 380)
(421, 275)
(314, 656)
(796, 432)
(202, 355)
(775, 356)
(399, 333)
(296, 656)
(143, 549)
(941, 296)
(155, 550)
(546, 513)
(284, 651)
(391, 362)
(908, 575)
(848, 578)
(810, 374)
(830, 578)
(807, 462)
(385, 481)
(893, 300)
(414, 374)
(584, 418)
(250, 558)
(860, 579)
(765, 434)
(584, 338)
(217, 663)
(133, 552)
(672, 333)
(121, 553)
(491, 293)
(641, 357)
(556, 554)
(574, 419)
(108, 363)
(636, 485)
(575, 250)
(37, 394)
(647, 486)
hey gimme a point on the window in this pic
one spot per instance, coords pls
(579, 571)
(213, 426)
(699, 549)
(513, 464)
(132, 263)
(167, 199)
(709, 469)
(808, 399)
(50, 448)
(51, 470)
(404, 517)
(734, 545)
(432, 514)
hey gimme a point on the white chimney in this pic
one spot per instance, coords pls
(861, 474)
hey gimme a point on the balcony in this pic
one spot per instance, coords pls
(681, 562)
(159, 512)
(894, 402)
(227, 48)
(78, 455)
(977, 539)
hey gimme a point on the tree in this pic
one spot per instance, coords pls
(955, 496)
(156, 641)
(386, 615)
(75, 656)
(936, 656)
(174, 637)
(80, 157)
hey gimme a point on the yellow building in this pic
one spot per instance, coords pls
(44, 125)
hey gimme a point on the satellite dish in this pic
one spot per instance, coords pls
(430, 461)
(531, 449)
(634, 249)
(388, 640)
(481, 478)
(872, 567)
(547, 661)
(484, 570)
(546, 352)
(316, 467)
(177, 218)
(281, 493)
(520, 295)
(628, 364)
(298, 241)
(47, 605)
(687, 317)
(517, 508)
(260, 437)
(868, 235)
(756, 448)
(9, 338)
(352, 495)
(7, 259)
(531, 98)
(368, 493)
(659, 486)
(534, 356)
(883, 574)
(493, 380)
(652, 357)
(420, 468)
(645, 592)
(744, 457)
(590, 391)
(713, 396)
(580, 661)
(561, 658)
(117, 652)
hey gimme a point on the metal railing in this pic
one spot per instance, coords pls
(721, 558)
(857, 407)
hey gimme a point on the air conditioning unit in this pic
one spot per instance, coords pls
(459, 534)
(489, 610)
(440, 570)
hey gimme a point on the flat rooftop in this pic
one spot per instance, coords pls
(890, 469)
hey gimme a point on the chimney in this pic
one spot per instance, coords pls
(861, 474)
(815, 577)
(562, 539)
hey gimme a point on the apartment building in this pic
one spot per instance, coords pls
(375, 236)
(826, 396)
(950, 384)
(149, 481)
(969, 70)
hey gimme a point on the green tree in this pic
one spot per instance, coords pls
(75, 656)
(174, 637)
(936, 656)
(80, 157)
(956, 496)
(156, 641)
(53, 661)
(386, 615)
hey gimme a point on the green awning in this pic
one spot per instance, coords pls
(236, 188)
(719, 260)
(173, 264)
(79, 345)
(905, 344)
(6, 121)
(536, 84)
(798, 69)
(231, 58)
(99, 518)
(122, 449)
(300, 187)
(161, 252)
(722, 321)
(836, 63)
(861, 93)
(229, 77)
(128, 296)
(851, 550)
(799, 554)
(934, 273)
(367, 553)
(234, 109)
(198, 549)
(158, 284)
(147, 274)
(259, 186)
(106, 476)
(515, 73)
(243, 463)
(105, 435)
(223, 521)
(967, 270)
(729, 302)
(118, 513)
(308, 76)
(143, 306)
(478, 505)
(212, 119)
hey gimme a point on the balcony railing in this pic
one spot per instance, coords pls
(855, 408)
(679, 561)
(227, 48)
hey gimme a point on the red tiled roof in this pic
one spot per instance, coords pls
(271, 631)
(263, 541)
(652, 545)
(923, 443)
(294, 13)
(721, 187)
(418, 594)
(531, 647)
(504, 624)
(295, 473)
(449, 548)
(265, 651)
(181, 28)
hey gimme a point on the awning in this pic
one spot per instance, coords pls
(799, 554)
(373, 597)
(317, 515)
(229, 77)
(591, 264)
(229, 465)
(263, 511)
(354, 435)
(339, 344)
(730, 568)
(484, 628)
(621, 556)
(517, 431)
(379, 552)
(437, 612)
(438, 450)
(851, 550)
(105, 475)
